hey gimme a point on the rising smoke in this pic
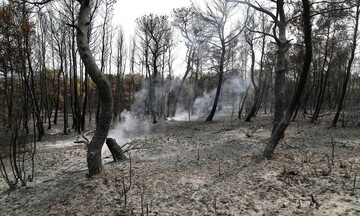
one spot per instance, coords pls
(230, 96)
(135, 122)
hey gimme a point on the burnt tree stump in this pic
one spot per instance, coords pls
(115, 149)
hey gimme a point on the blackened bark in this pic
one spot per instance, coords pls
(285, 121)
(115, 149)
(220, 81)
(282, 43)
(280, 70)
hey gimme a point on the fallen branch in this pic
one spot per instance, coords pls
(133, 145)
(85, 140)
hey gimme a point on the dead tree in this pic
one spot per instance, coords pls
(217, 16)
(279, 35)
(258, 85)
(192, 30)
(94, 160)
(120, 59)
(154, 34)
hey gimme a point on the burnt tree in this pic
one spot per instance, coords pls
(94, 160)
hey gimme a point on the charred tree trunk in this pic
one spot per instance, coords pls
(258, 93)
(115, 149)
(218, 90)
(285, 121)
(279, 83)
(280, 70)
(103, 125)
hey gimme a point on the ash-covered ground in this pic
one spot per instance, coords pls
(198, 168)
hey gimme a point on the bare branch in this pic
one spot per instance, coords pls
(258, 8)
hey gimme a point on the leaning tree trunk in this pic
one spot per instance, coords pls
(116, 151)
(218, 90)
(285, 121)
(103, 125)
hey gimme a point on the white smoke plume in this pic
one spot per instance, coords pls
(129, 127)
(230, 96)
(135, 122)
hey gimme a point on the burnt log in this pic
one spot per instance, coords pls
(115, 149)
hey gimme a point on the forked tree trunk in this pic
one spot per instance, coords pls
(103, 125)
(257, 87)
(285, 121)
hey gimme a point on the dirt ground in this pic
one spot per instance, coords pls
(199, 168)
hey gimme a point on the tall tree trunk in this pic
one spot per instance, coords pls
(257, 87)
(280, 70)
(348, 69)
(94, 160)
(85, 102)
(31, 88)
(57, 98)
(153, 84)
(285, 121)
(65, 95)
(76, 103)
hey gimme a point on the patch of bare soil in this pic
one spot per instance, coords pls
(200, 168)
